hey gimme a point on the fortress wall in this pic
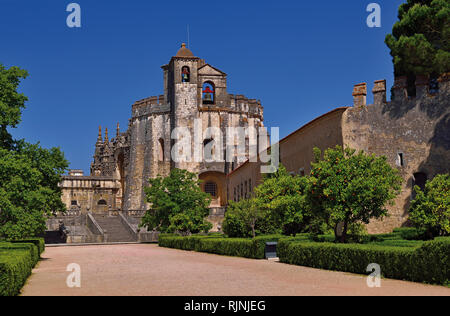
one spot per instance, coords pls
(415, 128)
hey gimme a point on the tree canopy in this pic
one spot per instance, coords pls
(282, 196)
(430, 209)
(420, 40)
(29, 174)
(347, 188)
(177, 204)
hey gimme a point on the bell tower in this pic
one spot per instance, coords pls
(181, 91)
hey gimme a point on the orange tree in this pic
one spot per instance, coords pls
(347, 188)
(430, 210)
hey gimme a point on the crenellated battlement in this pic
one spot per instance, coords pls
(424, 89)
(150, 105)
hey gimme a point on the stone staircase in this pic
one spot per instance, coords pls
(114, 229)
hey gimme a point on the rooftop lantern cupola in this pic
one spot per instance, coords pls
(184, 51)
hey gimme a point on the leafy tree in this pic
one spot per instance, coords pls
(177, 204)
(29, 189)
(347, 188)
(430, 209)
(245, 219)
(283, 197)
(11, 102)
(420, 40)
(29, 174)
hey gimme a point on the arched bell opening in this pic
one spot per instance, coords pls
(209, 93)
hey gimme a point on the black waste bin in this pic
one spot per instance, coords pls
(271, 249)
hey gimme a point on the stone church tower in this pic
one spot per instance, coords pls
(195, 98)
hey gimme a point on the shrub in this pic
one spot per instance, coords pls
(38, 242)
(237, 247)
(427, 263)
(430, 210)
(244, 219)
(16, 262)
(178, 204)
(410, 233)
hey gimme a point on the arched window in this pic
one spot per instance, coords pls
(211, 188)
(208, 93)
(161, 149)
(185, 74)
(102, 202)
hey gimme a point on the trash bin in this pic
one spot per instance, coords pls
(271, 249)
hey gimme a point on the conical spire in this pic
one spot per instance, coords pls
(99, 138)
(106, 135)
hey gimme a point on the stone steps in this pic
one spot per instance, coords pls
(114, 229)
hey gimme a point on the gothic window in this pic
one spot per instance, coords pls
(208, 93)
(161, 149)
(102, 202)
(185, 74)
(211, 188)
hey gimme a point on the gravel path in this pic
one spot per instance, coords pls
(143, 269)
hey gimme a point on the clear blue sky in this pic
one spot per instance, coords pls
(300, 58)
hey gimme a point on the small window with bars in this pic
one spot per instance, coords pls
(211, 188)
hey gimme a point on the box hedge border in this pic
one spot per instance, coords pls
(428, 263)
(17, 260)
(216, 244)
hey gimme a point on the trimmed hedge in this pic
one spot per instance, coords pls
(38, 242)
(237, 247)
(17, 260)
(428, 263)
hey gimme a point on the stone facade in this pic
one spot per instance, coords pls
(411, 131)
(124, 164)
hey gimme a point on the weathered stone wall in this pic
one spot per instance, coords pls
(88, 191)
(412, 129)
(296, 152)
(154, 118)
(412, 132)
